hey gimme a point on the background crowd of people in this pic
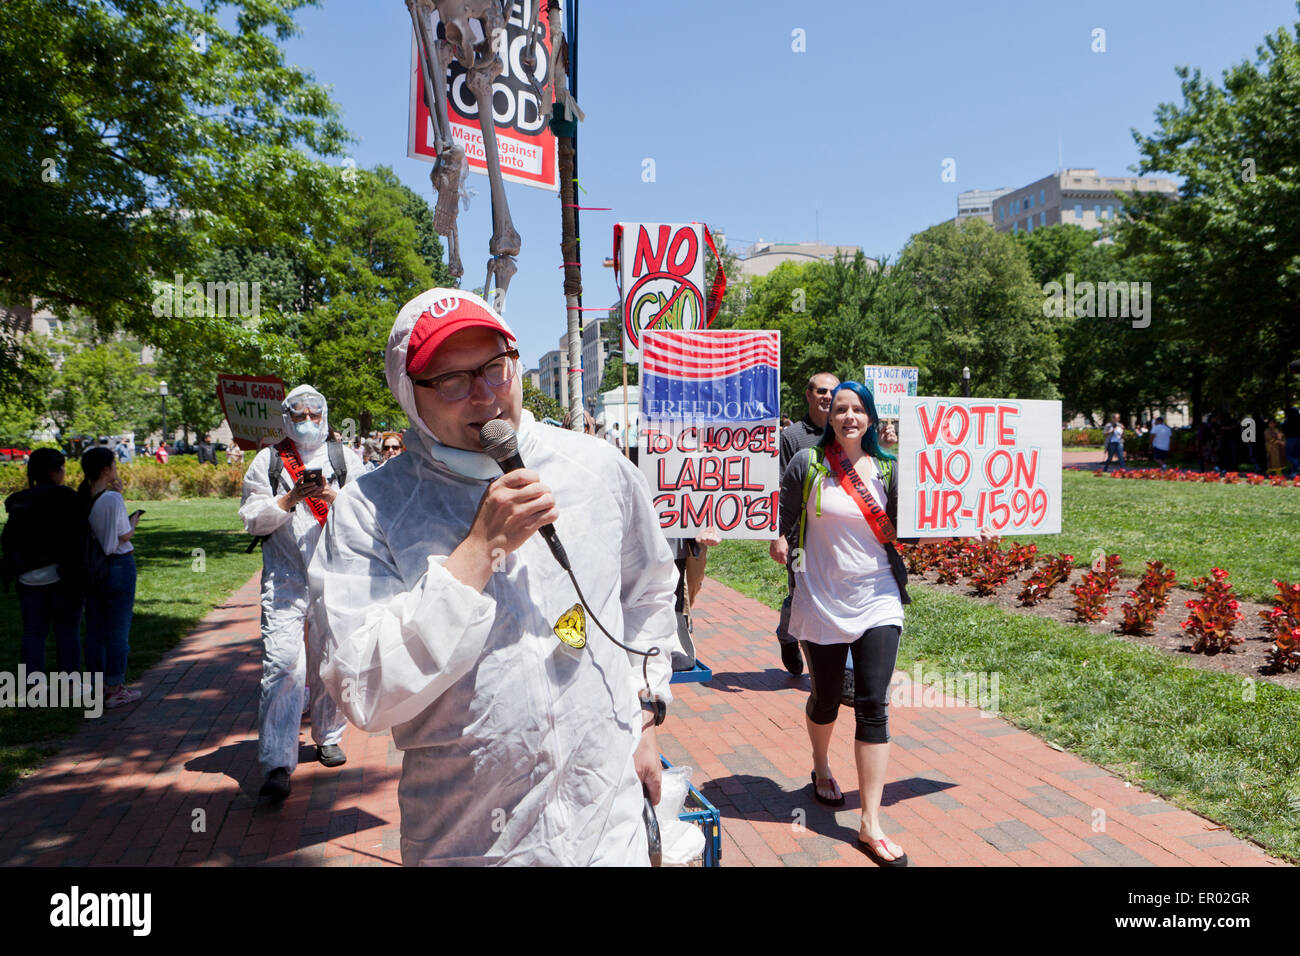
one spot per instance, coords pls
(71, 551)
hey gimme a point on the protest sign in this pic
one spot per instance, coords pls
(709, 441)
(966, 464)
(661, 277)
(888, 383)
(525, 143)
(251, 404)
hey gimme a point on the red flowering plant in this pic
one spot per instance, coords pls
(1022, 557)
(949, 562)
(994, 569)
(1089, 595)
(1214, 615)
(1282, 620)
(1091, 591)
(1149, 599)
(1052, 571)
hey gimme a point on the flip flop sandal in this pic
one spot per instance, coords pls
(838, 802)
(869, 848)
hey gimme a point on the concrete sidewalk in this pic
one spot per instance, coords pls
(174, 779)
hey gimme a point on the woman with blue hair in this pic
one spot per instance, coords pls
(839, 503)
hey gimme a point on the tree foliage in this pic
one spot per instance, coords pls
(1225, 258)
(133, 133)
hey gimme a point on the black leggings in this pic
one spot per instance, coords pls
(874, 655)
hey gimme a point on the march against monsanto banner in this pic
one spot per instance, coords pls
(971, 463)
(661, 276)
(251, 404)
(709, 442)
(525, 144)
(888, 383)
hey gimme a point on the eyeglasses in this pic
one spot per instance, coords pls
(821, 391)
(302, 414)
(453, 386)
(392, 448)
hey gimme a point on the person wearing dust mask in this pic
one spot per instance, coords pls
(287, 494)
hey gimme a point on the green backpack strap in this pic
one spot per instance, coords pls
(886, 468)
(814, 467)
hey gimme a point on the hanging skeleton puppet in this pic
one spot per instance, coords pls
(474, 35)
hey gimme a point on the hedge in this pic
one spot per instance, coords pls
(148, 480)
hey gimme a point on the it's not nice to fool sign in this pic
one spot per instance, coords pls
(972, 464)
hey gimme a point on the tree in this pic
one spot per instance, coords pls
(104, 391)
(613, 377)
(1054, 250)
(25, 391)
(541, 404)
(383, 254)
(1225, 258)
(133, 133)
(984, 309)
(192, 401)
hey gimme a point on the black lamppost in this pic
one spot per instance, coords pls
(965, 380)
(162, 390)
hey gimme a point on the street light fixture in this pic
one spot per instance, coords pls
(965, 380)
(162, 390)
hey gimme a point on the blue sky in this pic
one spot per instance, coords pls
(843, 142)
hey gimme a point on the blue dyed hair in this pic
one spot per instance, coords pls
(870, 442)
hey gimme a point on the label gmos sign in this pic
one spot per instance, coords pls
(710, 406)
(966, 464)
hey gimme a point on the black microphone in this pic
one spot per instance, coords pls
(498, 441)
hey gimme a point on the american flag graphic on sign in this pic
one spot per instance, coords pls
(718, 375)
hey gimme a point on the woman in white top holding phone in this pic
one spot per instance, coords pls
(110, 602)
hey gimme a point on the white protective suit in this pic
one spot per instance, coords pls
(293, 538)
(516, 749)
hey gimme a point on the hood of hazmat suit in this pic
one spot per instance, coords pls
(518, 748)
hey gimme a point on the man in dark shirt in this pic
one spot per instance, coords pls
(802, 434)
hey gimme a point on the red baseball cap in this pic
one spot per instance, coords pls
(449, 313)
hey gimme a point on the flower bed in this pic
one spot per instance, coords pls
(1208, 631)
(1176, 474)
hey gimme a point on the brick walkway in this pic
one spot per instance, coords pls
(174, 779)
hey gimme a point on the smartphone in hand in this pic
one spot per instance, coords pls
(135, 515)
(312, 476)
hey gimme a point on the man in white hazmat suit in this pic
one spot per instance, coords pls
(292, 516)
(442, 612)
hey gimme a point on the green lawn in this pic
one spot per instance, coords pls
(1252, 532)
(172, 596)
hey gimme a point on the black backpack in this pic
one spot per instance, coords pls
(94, 559)
(275, 470)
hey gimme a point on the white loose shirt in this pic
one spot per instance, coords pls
(846, 586)
(109, 521)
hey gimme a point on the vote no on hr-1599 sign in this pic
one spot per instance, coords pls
(966, 464)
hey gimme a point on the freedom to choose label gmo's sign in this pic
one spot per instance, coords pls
(966, 464)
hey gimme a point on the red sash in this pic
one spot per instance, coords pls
(854, 487)
(293, 465)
